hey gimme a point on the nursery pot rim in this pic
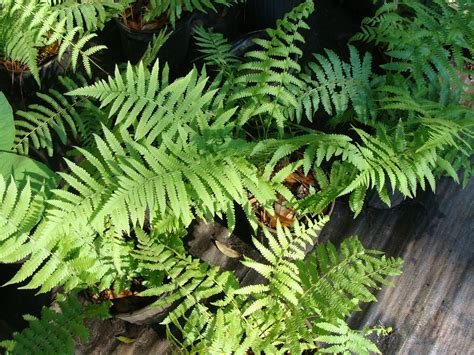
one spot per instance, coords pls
(48, 62)
(145, 315)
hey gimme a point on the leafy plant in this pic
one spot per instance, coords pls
(155, 154)
(56, 331)
(409, 133)
(18, 167)
(27, 26)
(175, 7)
(301, 306)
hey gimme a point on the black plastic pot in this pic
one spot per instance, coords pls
(374, 201)
(262, 14)
(17, 302)
(174, 51)
(24, 84)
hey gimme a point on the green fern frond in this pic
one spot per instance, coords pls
(20, 211)
(266, 81)
(301, 306)
(151, 53)
(31, 24)
(68, 117)
(340, 339)
(334, 85)
(90, 15)
(429, 42)
(215, 48)
(160, 106)
(55, 331)
(175, 8)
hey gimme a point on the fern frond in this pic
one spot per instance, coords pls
(301, 306)
(334, 85)
(266, 81)
(215, 48)
(31, 24)
(175, 7)
(406, 29)
(90, 15)
(66, 116)
(55, 331)
(160, 106)
(20, 211)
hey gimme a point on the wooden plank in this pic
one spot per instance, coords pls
(431, 308)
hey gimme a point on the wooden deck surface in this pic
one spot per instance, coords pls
(431, 307)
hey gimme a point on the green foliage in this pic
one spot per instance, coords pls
(334, 85)
(20, 211)
(28, 25)
(301, 306)
(66, 117)
(176, 174)
(7, 126)
(56, 330)
(174, 8)
(155, 154)
(87, 15)
(265, 83)
(429, 42)
(149, 57)
(215, 48)
(21, 168)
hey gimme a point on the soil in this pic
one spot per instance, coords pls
(45, 54)
(134, 18)
(299, 184)
(124, 301)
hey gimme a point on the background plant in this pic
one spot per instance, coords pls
(160, 159)
(26, 26)
(408, 121)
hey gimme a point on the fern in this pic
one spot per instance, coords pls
(298, 301)
(337, 84)
(215, 48)
(162, 168)
(424, 40)
(266, 82)
(68, 117)
(20, 211)
(138, 92)
(175, 7)
(149, 57)
(56, 330)
(27, 25)
(87, 15)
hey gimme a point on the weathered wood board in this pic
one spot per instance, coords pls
(431, 308)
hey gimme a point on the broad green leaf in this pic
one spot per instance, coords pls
(7, 126)
(20, 167)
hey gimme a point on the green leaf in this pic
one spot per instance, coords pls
(20, 168)
(125, 340)
(7, 126)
